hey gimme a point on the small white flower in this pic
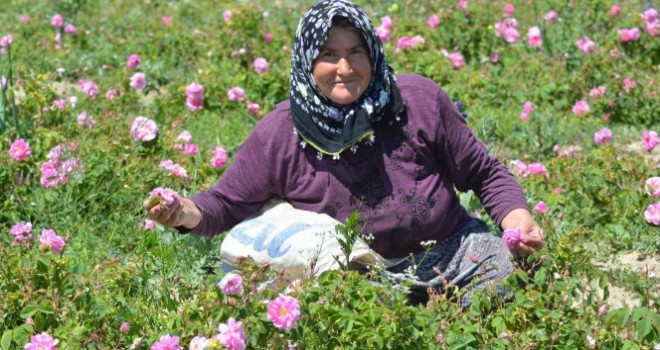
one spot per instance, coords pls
(428, 244)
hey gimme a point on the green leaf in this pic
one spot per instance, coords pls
(22, 334)
(5, 341)
(99, 308)
(29, 310)
(644, 327)
(540, 277)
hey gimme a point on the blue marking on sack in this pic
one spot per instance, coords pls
(274, 247)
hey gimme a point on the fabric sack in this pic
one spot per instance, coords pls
(301, 242)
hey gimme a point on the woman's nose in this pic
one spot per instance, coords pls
(343, 66)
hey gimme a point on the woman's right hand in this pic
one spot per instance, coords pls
(180, 213)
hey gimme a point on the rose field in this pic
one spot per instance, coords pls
(103, 103)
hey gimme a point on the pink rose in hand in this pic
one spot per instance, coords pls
(166, 196)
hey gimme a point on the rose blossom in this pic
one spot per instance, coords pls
(144, 129)
(165, 20)
(650, 140)
(537, 169)
(167, 195)
(254, 109)
(541, 208)
(509, 9)
(551, 16)
(268, 37)
(534, 37)
(219, 157)
(22, 232)
(133, 61)
(614, 11)
(231, 334)
(513, 236)
(586, 45)
(603, 136)
(19, 150)
(138, 81)
(383, 33)
(89, 88)
(463, 4)
(597, 92)
(173, 168)
(25, 19)
(191, 149)
(231, 284)
(199, 343)
(85, 120)
(652, 186)
(57, 21)
(195, 96)
(49, 239)
(111, 94)
(628, 35)
(433, 21)
(652, 214)
(42, 341)
(70, 29)
(260, 65)
(386, 22)
(404, 42)
(457, 60)
(6, 40)
(236, 94)
(284, 312)
(507, 30)
(149, 225)
(227, 15)
(167, 342)
(124, 328)
(581, 108)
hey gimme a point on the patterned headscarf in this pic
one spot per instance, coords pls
(329, 127)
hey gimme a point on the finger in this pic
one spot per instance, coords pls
(523, 250)
(147, 204)
(175, 216)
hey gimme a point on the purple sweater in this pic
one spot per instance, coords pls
(402, 184)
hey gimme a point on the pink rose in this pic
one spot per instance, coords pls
(49, 239)
(615, 10)
(227, 15)
(219, 157)
(254, 109)
(433, 21)
(70, 29)
(386, 22)
(650, 140)
(25, 19)
(586, 45)
(184, 136)
(581, 108)
(650, 15)
(167, 195)
(138, 81)
(144, 129)
(463, 4)
(231, 284)
(652, 186)
(19, 150)
(597, 92)
(284, 312)
(22, 232)
(383, 33)
(236, 94)
(88, 88)
(124, 328)
(541, 208)
(527, 107)
(133, 61)
(111, 94)
(167, 342)
(85, 120)
(260, 65)
(534, 37)
(231, 335)
(6, 40)
(165, 20)
(603, 136)
(537, 169)
(195, 97)
(42, 341)
(628, 35)
(404, 42)
(513, 236)
(268, 37)
(149, 225)
(494, 57)
(653, 28)
(551, 16)
(628, 84)
(191, 149)
(58, 21)
(509, 9)
(457, 60)
(652, 214)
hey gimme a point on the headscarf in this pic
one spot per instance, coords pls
(329, 127)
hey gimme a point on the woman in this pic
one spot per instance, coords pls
(352, 136)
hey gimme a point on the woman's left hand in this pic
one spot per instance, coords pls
(534, 237)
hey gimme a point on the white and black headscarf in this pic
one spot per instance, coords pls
(329, 127)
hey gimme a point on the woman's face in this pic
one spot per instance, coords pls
(342, 70)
